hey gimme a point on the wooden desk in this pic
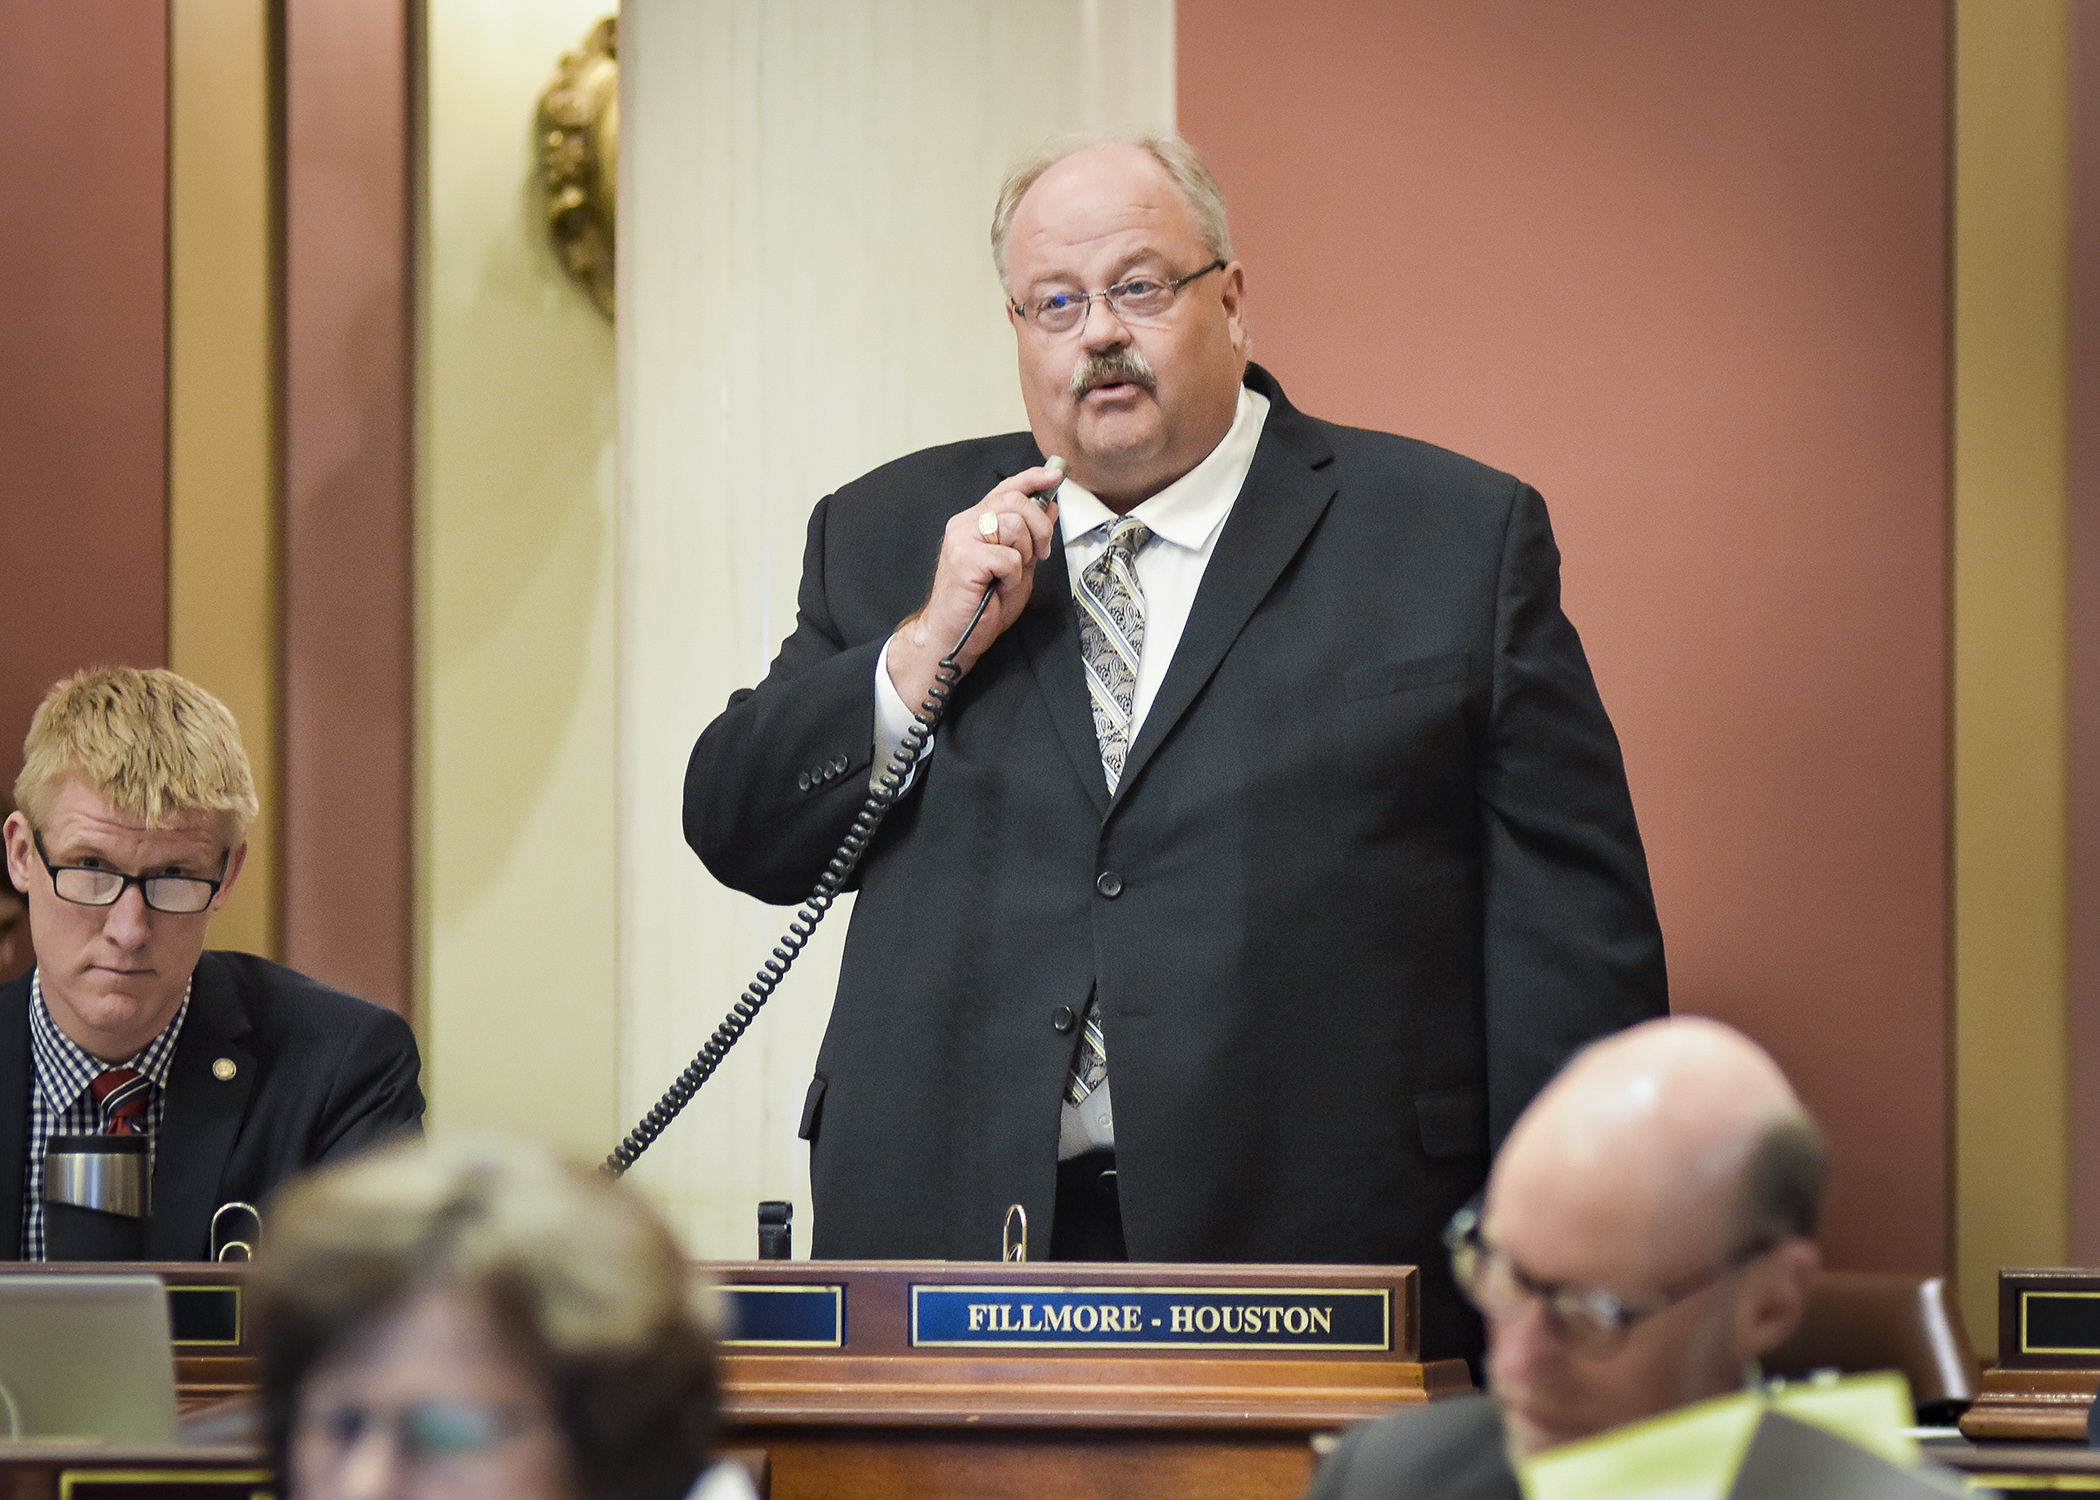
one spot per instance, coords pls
(891, 1412)
(2015, 1466)
(63, 1471)
(884, 1403)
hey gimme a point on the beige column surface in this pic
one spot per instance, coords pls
(806, 291)
(222, 479)
(515, 743)
(2010, 196)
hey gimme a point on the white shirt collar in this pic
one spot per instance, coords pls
(1192, 508)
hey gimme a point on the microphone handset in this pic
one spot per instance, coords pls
(837, 872)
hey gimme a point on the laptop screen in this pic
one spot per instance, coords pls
(86, 1357)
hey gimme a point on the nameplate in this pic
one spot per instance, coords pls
(1181, 1317)
(784, 1317)
(2060, 1322)
(204, 1316)
(165, 1484)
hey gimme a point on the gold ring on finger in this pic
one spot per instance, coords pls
(988, 525)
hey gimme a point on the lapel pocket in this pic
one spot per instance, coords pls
(1454, 1122)
(1377, 680)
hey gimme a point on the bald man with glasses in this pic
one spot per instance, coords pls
(1646, 1236)
(134, 803)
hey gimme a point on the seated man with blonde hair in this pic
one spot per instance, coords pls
(134, 804)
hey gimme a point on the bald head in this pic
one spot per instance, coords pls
(1672, 1166)
(1663, 1138)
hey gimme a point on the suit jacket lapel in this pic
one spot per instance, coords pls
(202, 1117)
(1049, 631)
(1285, 495)
(15, 1082)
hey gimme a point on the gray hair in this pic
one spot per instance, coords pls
(1783, 1180)
(1206, 200)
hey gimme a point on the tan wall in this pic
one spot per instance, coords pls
(1684, 268)
(2082, 486)
(2011, 1105)
(222, 377)
(515, 775)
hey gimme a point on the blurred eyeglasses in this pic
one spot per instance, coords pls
(423, 1430)
(1587, 1319)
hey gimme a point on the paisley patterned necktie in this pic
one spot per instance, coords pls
(1111, 639)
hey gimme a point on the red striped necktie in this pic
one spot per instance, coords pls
(122, 1095)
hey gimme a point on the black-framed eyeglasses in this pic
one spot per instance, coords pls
(1587, 1319)
(1138, 299)
(90, 885)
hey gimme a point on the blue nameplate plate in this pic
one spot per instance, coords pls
(1185, 1317)
(803, 1317)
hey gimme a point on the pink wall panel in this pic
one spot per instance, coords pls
(1685, 269)
(349, 606)
(83, 350)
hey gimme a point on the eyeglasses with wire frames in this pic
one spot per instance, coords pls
(1137, 299)
(1587, 1319)
(91, 885)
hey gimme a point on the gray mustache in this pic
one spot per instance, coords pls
(1114, 367)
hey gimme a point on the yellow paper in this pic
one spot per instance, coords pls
(1694, 1453)
(1873, 1412)
(1688, 1454)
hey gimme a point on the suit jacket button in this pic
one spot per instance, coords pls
(838, 767)
(1061, 1019)
(802, 781)
(1109, 884)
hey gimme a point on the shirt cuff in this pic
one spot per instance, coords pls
(893, 719)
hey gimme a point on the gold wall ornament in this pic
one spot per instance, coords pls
(579, 136)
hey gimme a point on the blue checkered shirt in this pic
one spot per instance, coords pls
(61, 1104)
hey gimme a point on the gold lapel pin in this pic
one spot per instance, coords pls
(224, 1069)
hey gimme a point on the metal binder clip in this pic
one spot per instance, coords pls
(241, 1236)
(1013, 1248)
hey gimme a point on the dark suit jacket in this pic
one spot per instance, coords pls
(1376, 868)
(1447, 1450)
(318, 1075)
(1452, 1450)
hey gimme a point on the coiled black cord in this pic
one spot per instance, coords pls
(884, 796)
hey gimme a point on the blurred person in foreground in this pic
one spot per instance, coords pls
(1646, 1235)
(481, 1319)
(134, 804)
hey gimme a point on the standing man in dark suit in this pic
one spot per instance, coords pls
(1647, 1236)
(135, 800)
(1275, 847)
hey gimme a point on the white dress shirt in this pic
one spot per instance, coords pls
(1186, 519)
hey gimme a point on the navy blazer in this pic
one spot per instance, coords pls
(1376, 871)
(317, 1075)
